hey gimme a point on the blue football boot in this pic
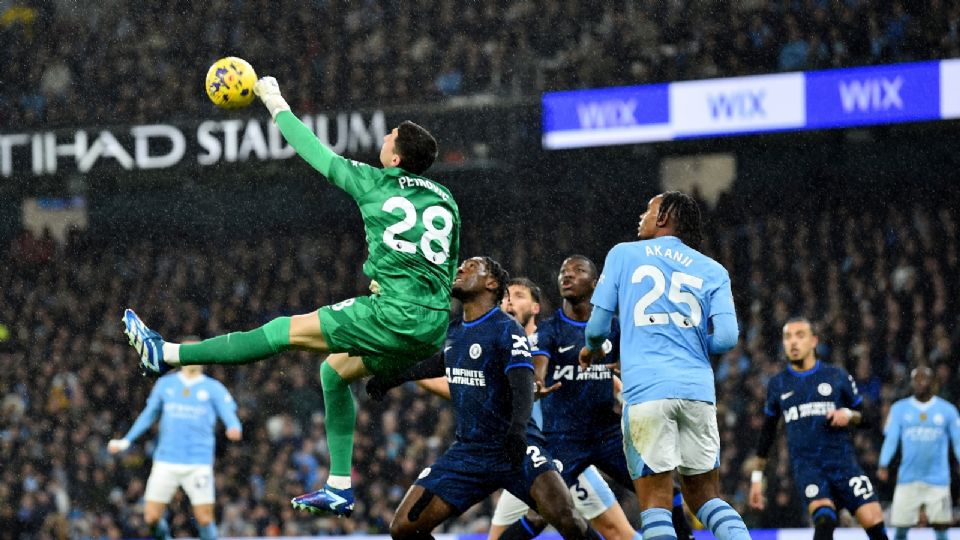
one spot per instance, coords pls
(326, 501)
(149, 344)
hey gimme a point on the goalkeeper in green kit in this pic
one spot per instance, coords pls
(412, 228)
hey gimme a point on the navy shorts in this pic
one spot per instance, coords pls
(843, 482)
(604, 451)
(467, 474)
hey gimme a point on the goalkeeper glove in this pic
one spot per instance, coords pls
(269, 93)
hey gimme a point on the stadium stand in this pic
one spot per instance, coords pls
(403, 52)
(881, 280)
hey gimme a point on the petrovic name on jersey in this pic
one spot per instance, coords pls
(410, 181)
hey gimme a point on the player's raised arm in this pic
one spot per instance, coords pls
(307, 145)
(341, 172)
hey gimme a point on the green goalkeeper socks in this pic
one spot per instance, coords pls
(341, 417)
(240, 347)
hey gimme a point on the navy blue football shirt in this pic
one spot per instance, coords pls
(477, 355)
(584, 403)
(804, 399)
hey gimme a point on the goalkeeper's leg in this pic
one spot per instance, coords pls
(351, 325)
(340, 412)
(302, 331)
(336, 496)
(278, 335)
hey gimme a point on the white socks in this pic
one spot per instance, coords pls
(338, 482)
(171, 353)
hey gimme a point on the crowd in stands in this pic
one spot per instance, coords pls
(142, 62)
(881, 283)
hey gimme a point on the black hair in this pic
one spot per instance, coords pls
(500, 274)
(686, 216)
(416, 147)
(592, 265)
(529, 284)
(802, 319)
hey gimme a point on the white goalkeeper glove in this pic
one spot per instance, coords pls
(115, 446)
(268, 91)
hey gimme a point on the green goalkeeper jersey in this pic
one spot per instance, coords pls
(412, 224)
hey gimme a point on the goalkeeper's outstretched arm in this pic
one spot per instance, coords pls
(300, 137)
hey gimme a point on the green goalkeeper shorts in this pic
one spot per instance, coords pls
(389, 334)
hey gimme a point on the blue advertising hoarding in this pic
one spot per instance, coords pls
(635, 114)
(913, 92)
(873, 95)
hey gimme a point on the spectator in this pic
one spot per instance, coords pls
(793, 54)
(128, 62)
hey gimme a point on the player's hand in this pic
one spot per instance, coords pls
(234, 434)
(515, 444)
(541, 390)
(268, 91)
(115, 446)
(757, 500)
(374, 287)
(883, 474)
(839, 418)
(614, 367)
(588, 357)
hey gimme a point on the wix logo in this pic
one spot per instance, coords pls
(868, 95)
(739, 105)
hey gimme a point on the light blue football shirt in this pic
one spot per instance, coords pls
(923, 431)
(664, 293)
(188, 411)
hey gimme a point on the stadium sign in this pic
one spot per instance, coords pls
(835, 98)
(161, 146)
